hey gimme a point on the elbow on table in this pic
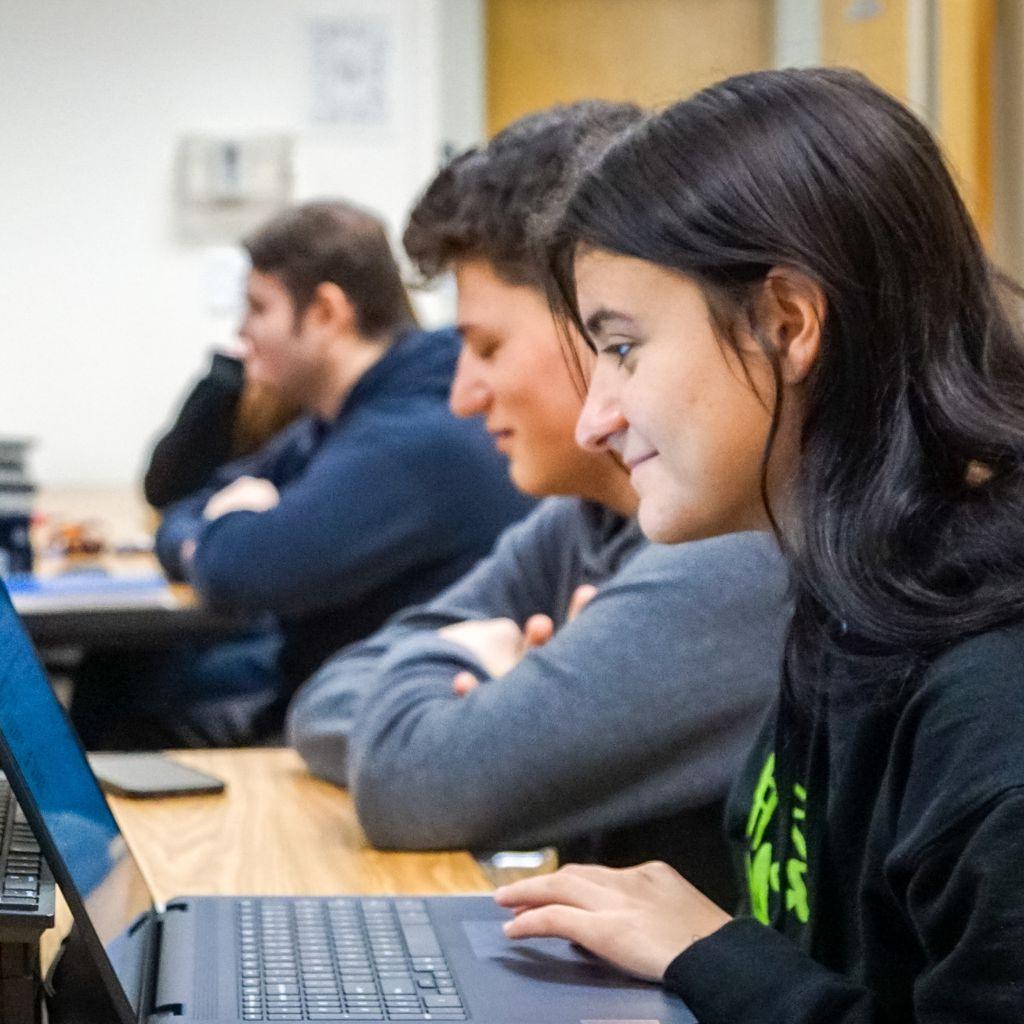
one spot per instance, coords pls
(228, 584)
(396, 815)
(325, 751)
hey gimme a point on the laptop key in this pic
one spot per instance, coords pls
(17, 902)
(421, 940)
(430, 1000)
(428, 963)
(398, 986)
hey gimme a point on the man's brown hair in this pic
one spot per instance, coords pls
(334, 241)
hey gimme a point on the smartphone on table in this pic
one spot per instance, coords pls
(150, 775)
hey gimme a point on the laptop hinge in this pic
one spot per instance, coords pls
(175, 956)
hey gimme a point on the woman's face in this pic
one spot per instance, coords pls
(673, 400)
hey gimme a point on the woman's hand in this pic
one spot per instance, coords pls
(639, 918)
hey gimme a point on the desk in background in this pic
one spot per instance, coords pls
(143, 612)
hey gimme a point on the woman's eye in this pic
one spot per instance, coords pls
(621, 351)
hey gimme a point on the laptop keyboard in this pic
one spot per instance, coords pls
(342, 959)
(26, 885)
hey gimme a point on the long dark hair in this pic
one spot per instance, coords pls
(908, 532)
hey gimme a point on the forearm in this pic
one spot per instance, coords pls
(961, 902)
(322, 713)
(183, 523)
(770, 981)
(547, 753)
(596, 730)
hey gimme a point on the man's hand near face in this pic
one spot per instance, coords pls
(500, 644)
(246, 494)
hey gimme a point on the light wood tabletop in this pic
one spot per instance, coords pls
(276, 830)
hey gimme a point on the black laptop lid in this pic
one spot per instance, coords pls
(48, 772)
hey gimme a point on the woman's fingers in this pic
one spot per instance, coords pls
(568, 888)
(604, 933)
(553, 921)
(639, 918)
(540, 888)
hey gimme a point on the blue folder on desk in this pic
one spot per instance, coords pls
(90, 588)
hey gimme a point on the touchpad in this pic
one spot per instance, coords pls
(552, 959)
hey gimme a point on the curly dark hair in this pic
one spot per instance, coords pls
(502, 202)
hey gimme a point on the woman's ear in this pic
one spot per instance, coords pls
(791, 311)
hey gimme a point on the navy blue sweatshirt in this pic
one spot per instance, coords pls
(883, 844)
(381, 508)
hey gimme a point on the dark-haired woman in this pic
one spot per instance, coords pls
(797, 329)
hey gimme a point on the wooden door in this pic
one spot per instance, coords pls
(541, 52)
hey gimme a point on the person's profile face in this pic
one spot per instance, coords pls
(672, 399)
(276, 354)
(512, 371)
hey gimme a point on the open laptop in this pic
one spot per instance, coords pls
(227, 959)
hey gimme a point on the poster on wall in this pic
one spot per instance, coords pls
(352, 65)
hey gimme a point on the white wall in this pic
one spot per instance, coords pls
(104, 319)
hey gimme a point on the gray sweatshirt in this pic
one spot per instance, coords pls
(640, 708)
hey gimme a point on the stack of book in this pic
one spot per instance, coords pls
(17, 495)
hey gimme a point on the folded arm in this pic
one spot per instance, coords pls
(641, 707)
(514, 580)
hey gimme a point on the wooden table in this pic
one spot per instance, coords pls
(276, 830)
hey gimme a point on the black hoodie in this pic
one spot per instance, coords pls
(883, 844)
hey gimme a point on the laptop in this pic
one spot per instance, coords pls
(264, 958)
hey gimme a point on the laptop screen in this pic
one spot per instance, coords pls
(60, 797)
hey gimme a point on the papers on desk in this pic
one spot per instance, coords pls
(90, 589)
